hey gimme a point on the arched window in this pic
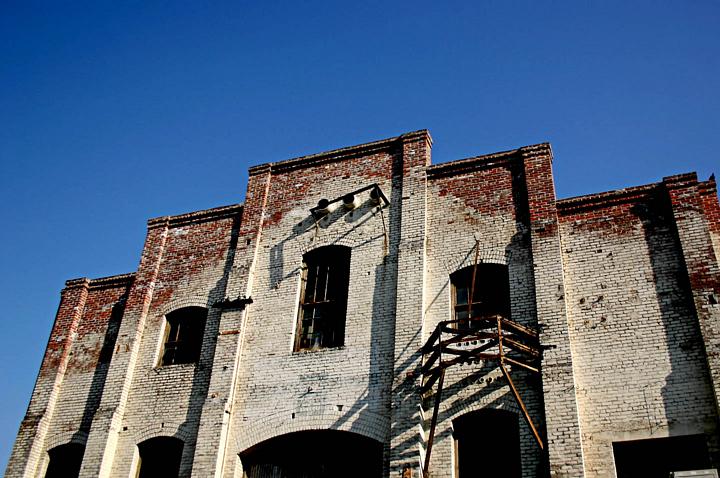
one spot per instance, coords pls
(314, 454)
(184, 330)
(65, 461)
(160, 457)
(487, 443)
(480, 292)
(323, 299)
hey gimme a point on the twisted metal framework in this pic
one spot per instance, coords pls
(490, 338)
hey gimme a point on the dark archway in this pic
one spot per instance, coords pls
(160, 457)
(314, 454)
(487, 444)
(65, 461)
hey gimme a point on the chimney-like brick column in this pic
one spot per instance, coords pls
(408, 214)
(563, 440)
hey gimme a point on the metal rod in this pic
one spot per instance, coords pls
(433, 424)
(472, 282)
(526, 415)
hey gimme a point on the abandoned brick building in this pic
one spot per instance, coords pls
(366, 313)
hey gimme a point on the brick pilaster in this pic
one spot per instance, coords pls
(563, 440)
(408, 211)
(107, 423)
(217, 410)
(27, 454)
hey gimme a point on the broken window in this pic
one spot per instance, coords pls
(658, 457)
(160, 457)
(183, 335)
(487, 443)
(65, 461)
(323, 299)
(479, 292)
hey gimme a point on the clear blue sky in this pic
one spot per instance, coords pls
(115, 112)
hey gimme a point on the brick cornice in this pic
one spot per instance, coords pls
(204, 215)
(339, 154)
(487, 161)
(680, 181)
(606, 199)
(101, 282)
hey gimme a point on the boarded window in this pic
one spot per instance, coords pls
(480, 292)
(657, 457)
(65, 461)
(323, 300)
(487, 443)
(160, 457)
(183, 335)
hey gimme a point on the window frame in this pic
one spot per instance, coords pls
(325, 275)
(187, 326)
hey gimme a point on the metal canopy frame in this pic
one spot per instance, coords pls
(493, 338)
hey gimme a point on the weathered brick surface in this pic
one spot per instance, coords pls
(640, 366)
(73, 372)
(478, 205)
(559, 388)
(622, 286)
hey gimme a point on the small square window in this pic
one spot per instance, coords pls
(183, 335)
(323, 299)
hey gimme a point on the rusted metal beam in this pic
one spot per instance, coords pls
(521, 364)
(433, 424)
(432, 378)
(430, 342)
(429, 362)
(520, 328)
(521, 347)
(526, 415)
(472, 282)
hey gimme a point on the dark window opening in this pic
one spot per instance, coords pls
(160, 457)
(657, 457)
(184, 335)
(65, 461)
(323, 299)
(480, 292)
(487, 443)
(315, 454)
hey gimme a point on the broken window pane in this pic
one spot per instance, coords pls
(323, 303)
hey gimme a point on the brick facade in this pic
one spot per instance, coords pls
(623, 288)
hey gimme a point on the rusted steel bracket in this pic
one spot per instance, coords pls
(237, 303)
(486, 333)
